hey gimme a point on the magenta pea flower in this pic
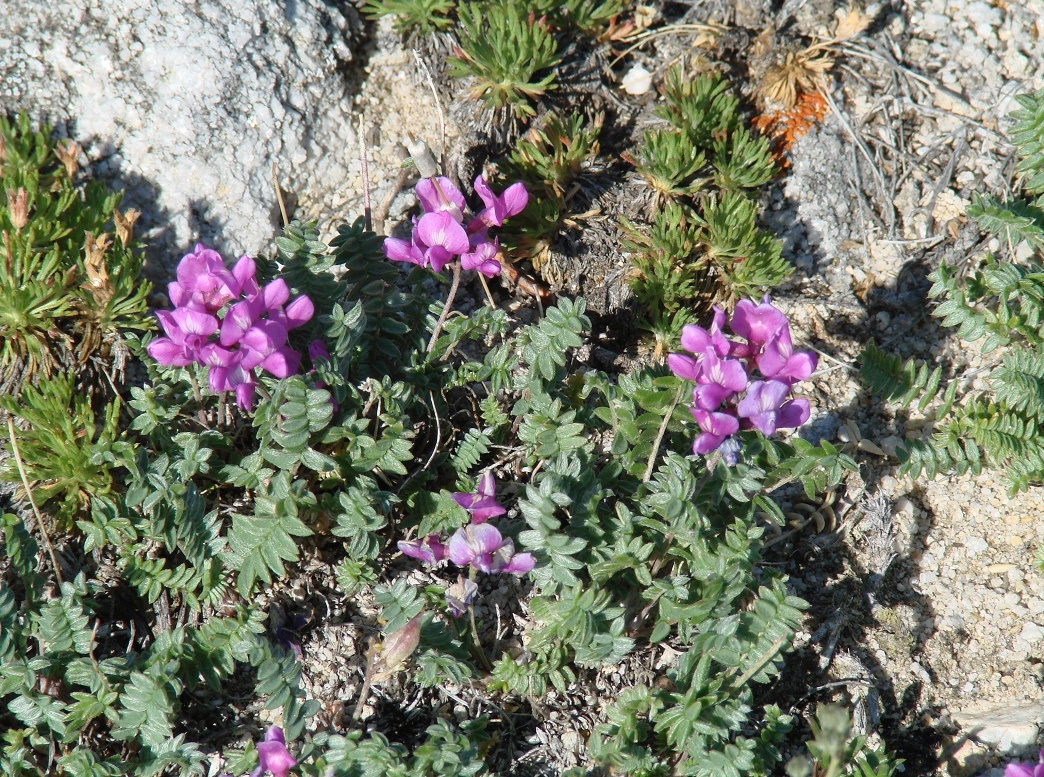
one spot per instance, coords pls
(718, 380)
(439, 237)
(410, 251)
(251, 332)
(440, 195)
(742, 383)
(482, 547)
(757, 324)
(430, 550)
(227, 373)
(779, 361)
(482, 504)
(500, 207)
(1026, 769)
(187, 332)
(482, 257)
(460, 595)
(766, 408)
(272, 755)
(698, 340)
(204, 279)
(442, 238)
(715, 429)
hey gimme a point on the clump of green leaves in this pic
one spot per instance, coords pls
(1002, 302)
(67, 455)
(67, 289)
(508, 53)
(704, 243)
(551, 157)
(590, 17)
(414, 17)
(835, 751)
(669, 164)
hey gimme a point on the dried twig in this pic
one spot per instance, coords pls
(13, 437)
(364, 159)
(279, 195)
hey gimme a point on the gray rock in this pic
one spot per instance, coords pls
(1011, 730)
(187, 104)
(1032, 633)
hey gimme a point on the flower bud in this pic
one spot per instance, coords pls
(422, 157)
(125, 225)
(69, 155)
(398, 647)
(18, 208)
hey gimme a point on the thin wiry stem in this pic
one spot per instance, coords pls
(279, 196)
(659, 435)
(446, 308)
(29, 495)
(364, 159)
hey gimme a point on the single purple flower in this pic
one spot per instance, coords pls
(764, 407)
(442, 238)
(483, 258)
(203, 276)
(260, 341)
(228, 374)
(405, 250)
(272, 755)
(779, 361)
(460, 595)
(499, 208)
(719, 379)
(239, 319)
(440, 195)
(715, 427)
(699, 341)
(482, 504)
(685, 367)
(757, 324)
(245, 273)
(187, 332)
(298, 313)
(430, 550)
(481, 546)
(1026, 769)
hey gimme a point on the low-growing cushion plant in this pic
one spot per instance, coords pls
(1001, 303)
(269, 425)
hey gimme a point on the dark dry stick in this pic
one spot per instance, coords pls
(367, 212)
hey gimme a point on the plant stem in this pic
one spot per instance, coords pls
(446, 308)
(659, 435)
(29, 495)
(364, 689)
(480, 654)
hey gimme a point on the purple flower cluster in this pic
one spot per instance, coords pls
(223, 319)
(1026, 770)
(440, 236)
(763, 364)
(478, 545)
